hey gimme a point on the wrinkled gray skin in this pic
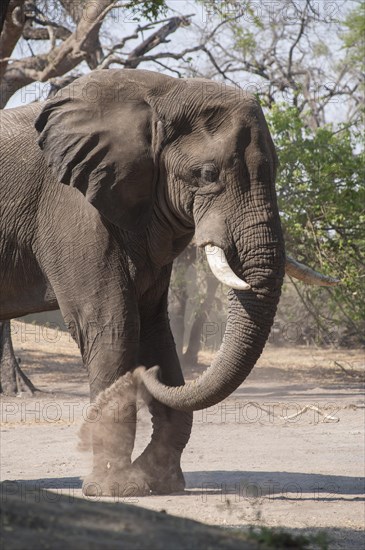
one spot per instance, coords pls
(156, 159)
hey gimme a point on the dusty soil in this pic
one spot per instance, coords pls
(286, 449)
(41, 523)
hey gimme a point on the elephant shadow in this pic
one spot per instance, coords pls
(275, 485)
(233, 485)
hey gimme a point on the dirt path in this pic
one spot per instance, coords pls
(287, 449)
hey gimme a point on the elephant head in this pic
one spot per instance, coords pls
(169, 157)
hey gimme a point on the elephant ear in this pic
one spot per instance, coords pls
(106, 145)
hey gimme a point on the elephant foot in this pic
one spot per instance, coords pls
(162, 473)
(115, 482)
(94, 484)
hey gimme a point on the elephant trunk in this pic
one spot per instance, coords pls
(250, 316)
(248, 327)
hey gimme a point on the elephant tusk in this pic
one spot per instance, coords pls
(219, 265)
(307, 275)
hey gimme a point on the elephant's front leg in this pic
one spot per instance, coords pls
(111, 424)
(112, 421)
(160, 461)
(109, 349)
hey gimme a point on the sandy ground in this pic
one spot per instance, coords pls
(286, 449)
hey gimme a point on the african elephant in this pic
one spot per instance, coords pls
(146, 161)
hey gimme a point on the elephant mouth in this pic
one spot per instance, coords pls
(221, 269)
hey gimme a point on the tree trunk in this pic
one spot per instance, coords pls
(201, 316)
(12, 379)
(3, 9)
(11, 27)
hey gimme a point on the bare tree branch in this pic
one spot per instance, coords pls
(303, 21)
(94, 51)
(134, 58)
(78, 46)
(12, 23)
(215, 64)
(154, 40)
(38, 33)
(60, 59)
(74, 9)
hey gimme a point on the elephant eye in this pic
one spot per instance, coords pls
(209, 173)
